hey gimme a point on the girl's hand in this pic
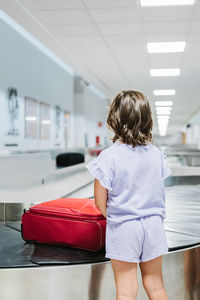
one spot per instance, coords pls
(101, 197)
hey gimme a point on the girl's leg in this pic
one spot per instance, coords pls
(125, 275)
(152, 279)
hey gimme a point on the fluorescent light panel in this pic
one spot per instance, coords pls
(164, 92)
(162, 117)
(164, 103)
(166, 2)
(166, 47)
(162, 133)
(163, 108)
(162, 127)
(163, 122)
(165, 72)
(163, 112)
(162, 130)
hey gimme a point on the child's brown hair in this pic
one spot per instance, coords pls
(130, 118)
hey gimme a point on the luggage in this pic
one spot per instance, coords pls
(69, 159)
(72, 222)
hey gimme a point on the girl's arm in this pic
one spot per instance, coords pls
(101, 197)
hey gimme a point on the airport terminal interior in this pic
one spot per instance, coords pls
(62, 62)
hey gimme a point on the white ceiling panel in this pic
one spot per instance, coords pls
(167, 13)
(166, 27)
(75, 30)
(114, 15)
(195, 27)
(96, 60)
(193, 47)
(91, 40)
(167, 37)
(163, 84)
(113, 78)
(121, 28)
(92, 49)
(163, 60)
(138, 65)
(191, 61)
(110, 3)
(196, 14)
(70, 16)
(52, 4)
(193, 37)
(127, 40)
(131, 50)
(108, 71)
(135, 79)
(138, 60)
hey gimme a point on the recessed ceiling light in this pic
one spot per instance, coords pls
(164, 92)
(163, 112)
(166, 47)
(165, 72)
(163, 117)
(163, 121)
(163, 132)
(162, 127)
(163, 108)
(166, 2)
(164, 103)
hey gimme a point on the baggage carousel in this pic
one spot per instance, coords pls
(36, 271)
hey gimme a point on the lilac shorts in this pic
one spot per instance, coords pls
(141, 239)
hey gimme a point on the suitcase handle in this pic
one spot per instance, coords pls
(70, 211)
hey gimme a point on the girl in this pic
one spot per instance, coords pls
(129, 191)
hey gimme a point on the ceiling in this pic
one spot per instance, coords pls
(105, 41)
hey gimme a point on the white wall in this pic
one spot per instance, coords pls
(95, 110)
(89, 109)
(35, 75)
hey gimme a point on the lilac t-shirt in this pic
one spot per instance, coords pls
(134, 178)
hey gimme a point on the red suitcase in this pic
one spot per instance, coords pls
(73, 222)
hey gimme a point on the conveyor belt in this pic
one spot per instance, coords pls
(182, 228)
(183, 210)
(51, 255)
(13, 251)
